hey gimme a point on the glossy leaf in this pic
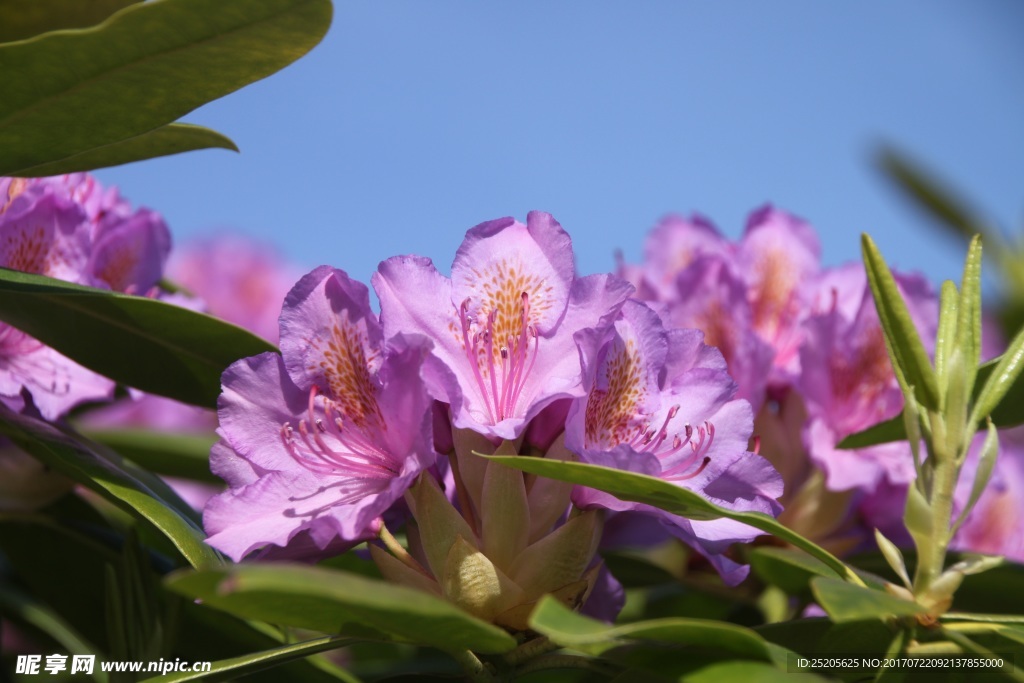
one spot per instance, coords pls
(569, 629)
(906, 351)
(661, 494)
(144, 68)
(174, 138)
(845, 602)
(174, 454)
(148, 344)
(128, 487)
(339, 602)
(229, 669)
(21, 19)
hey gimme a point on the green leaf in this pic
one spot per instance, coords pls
(174, 138)
(69, 92)
(28, 611)
(1002, 387)
(888, 431)
(906, 351)
(948, 210)
(21, 19)
(229, 669)
(339, 602)
(128, 487)
(569, 629)
(845, 602)
(641, 488)
(968, 332)
(790, 570)
(148, 344)
(173, 454)
(946, 334)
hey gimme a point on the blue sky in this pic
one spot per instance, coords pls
(414, 121)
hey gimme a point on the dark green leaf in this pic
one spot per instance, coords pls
(128, 487)
(790, 570)
(25, 610)
(845, 602)
(21, 19)
(906, 351)
(229, 669)
(69, 92)
(666, 496)
(174, 138)
(148, 344)
(172, 454)
(569, 629)
(338, 602)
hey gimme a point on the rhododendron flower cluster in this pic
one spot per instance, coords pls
(806, 346)
(363, 420)
(70, 228)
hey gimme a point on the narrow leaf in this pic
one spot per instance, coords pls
(148, 344)
(143, 68)
(893, 556)
(968, 333)
(790, 570)
(332, 601)
(21, 19)
(130, 488)
(948, 302)
(641, 488)
(229, 669)
(986, 463)
(905, 348)
(174, 138)
(949, 211)
(845, 602)
(1003, 385)
(172, 454)
(569, 629)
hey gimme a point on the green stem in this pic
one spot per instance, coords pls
(392, 544)
(475, 670)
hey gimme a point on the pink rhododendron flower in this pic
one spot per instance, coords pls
(504, 325)
(238, 279)
(324, 438)
(68, 228)
(747, 296)
(847, 380)
(661, 403)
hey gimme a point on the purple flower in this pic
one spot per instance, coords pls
(661, 403)
(503, 326)
(44, 233)
(239, 280)
(323, 439)
(847, 380)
